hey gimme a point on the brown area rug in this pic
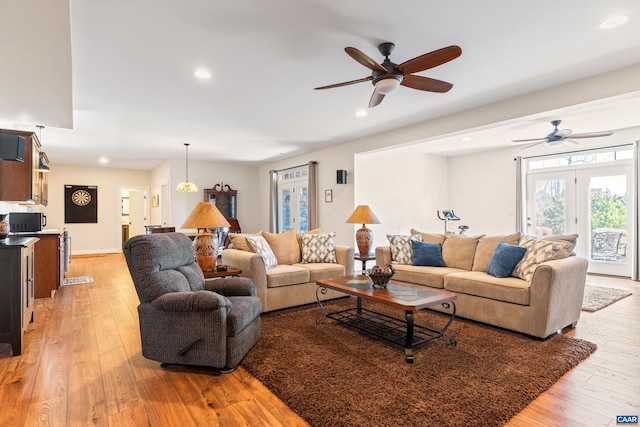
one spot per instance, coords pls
(598, 297)
(333, 376)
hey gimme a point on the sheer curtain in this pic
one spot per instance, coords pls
(273, 201)
(313, 195)
(520, 201)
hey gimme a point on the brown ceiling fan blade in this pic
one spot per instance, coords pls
(376, 99)
(366, 79)
(430, 60)
(531, 140)
(426, 83)
(591, 134)
(364, 59)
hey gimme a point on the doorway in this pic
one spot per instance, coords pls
(133, 212)
(592, 200)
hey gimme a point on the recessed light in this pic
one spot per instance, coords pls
(103, 160)
(202, 73)
(614, 21)
(466, 138)
(361, 113)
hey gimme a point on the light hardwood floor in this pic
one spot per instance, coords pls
(82, 366)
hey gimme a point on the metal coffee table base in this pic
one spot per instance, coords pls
(402, 332)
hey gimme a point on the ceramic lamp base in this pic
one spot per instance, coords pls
(364, 238)
(205, 246)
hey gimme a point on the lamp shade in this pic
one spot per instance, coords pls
(363, 215)
(205, 215)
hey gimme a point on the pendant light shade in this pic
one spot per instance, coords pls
(186, 186)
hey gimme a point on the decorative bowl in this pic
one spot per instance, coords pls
(380, 279)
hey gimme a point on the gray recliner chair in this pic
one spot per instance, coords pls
(185, 319)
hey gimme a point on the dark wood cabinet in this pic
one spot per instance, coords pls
(21, 181)
(49, 261)
(225, 199)
(16, 289)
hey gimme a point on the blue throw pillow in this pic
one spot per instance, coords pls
(504, 259)
(428, 254)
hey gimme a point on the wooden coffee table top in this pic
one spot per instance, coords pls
(405, 295)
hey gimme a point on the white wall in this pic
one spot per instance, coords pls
(404, 189)
(206, 175)
(106, 235)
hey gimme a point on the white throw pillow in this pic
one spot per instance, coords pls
(318, 248)
(262, 248)
(401, 251)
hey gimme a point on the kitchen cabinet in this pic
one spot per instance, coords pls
(49, 260)
(16, 289)
(21, 181)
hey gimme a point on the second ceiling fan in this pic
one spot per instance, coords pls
(560, 136)
(388, 76)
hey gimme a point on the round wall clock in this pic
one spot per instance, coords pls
(81, 197)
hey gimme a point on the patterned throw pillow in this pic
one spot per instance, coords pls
(319, 248)
(400, 245)
(537, 251)
(262, 248)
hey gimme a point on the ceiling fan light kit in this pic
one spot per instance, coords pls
(388, 76)
(387, 86)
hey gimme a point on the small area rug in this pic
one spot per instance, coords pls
(77, 280)
(333, 376)
(597, 297)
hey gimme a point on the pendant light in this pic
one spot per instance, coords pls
(43, 161)
(186, 186)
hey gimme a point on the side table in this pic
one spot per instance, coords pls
(225, 273)
(364, 259)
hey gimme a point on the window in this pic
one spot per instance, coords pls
(293, 199)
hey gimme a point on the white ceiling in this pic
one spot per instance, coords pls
(131, 95)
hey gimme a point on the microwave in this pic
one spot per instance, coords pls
(26, 222)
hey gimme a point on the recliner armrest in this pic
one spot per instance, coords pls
(191, 301)
(231, 286)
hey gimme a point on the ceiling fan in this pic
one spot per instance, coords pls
(388, 76)
(560, 136)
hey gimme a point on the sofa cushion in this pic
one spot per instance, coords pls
(400, 245)
(421, 275)
(458, 251)
(429, 237)
(427, 254)
(262, 248)
(504, 259)
(481, 284)
(537, 251)
(239, 241)
(319, 271)
(319, 248)
(487, 245)
(285, 275)
(284, 246)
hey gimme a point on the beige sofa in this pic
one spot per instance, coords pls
(291, 282)
(551, 300)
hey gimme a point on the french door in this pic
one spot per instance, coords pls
(293, 206)
(594, 202)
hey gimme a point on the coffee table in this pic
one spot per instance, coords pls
(405, 296)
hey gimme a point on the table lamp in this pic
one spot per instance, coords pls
(206, 216)
(363, 215)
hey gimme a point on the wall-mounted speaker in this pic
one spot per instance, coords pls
(341, 176)
(11, 147)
